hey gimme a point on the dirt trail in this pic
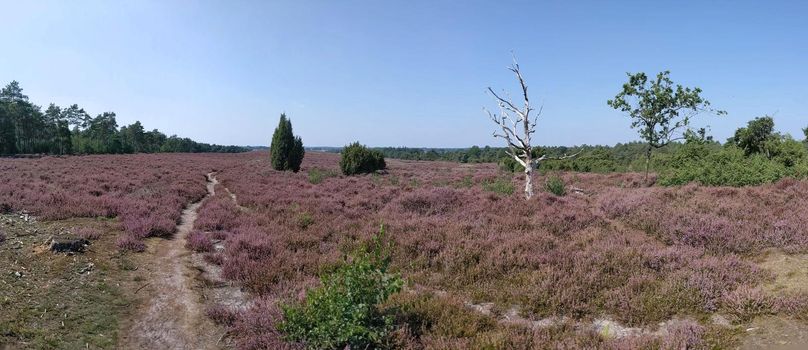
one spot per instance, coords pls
(173, 315)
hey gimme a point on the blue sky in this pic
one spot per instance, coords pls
(401, 73)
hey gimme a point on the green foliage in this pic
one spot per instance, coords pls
(286, 151)
(555, 185)
(757, 137)
(726, 167)
(805, 133)
(659, 111)
(344, 311)
(501, 185)
(317, 175)
(358, 159)
(509, 164)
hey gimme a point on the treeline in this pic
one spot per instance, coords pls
(26, 129)
(755, 154)
(620, 157)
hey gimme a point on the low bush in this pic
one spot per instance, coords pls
(555, 185)
(499, 185)
(358, 159)
(344, 310)
(511, 165)
(728, 166)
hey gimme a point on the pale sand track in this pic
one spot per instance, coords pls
(173, 315)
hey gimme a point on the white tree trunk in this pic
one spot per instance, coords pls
(528, 182)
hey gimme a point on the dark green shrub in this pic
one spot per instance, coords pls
(345, 310)
(286, 150)
(726, 167)
(358, 159)
(555, 185)
(511, 165)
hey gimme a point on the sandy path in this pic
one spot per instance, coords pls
(173, 316)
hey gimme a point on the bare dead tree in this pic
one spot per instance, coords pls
(518, 129)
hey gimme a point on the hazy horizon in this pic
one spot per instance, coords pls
(402, 74)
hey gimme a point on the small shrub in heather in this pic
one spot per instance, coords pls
(344, 311)
(198, 241)
(501, 185)
(358, 159)
(684, 334)
(746, 302)
(304, 220)
(128, 242)
(555, 185)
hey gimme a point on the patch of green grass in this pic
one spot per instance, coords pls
(304, 220)
(466, 182)
(500, 185)
(317, 175)
(53, 306)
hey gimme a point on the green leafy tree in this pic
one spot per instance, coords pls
(660, 110)
(286, 150)
(757, 137)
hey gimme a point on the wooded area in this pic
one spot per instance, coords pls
(26, 129)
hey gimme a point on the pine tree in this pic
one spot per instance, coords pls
(286, 150)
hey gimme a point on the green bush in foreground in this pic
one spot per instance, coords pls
(555, 185)
(358, 159)
(344, 310)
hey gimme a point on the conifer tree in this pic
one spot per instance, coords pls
(286, 150)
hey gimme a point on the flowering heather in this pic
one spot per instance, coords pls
(639, 255)
(129, 242)
(634, 254)
(199, 242)
(146, 192)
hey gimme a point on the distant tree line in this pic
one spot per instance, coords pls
(26, 129)
(755, 154)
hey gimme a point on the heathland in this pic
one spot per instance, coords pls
(592, 261)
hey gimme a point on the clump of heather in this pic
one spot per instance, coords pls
(88, 233)
(198, 241)
(217, 213)
(747, 302)
(128, 242)
(2, 237)
(222, 314)
(214, 258)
